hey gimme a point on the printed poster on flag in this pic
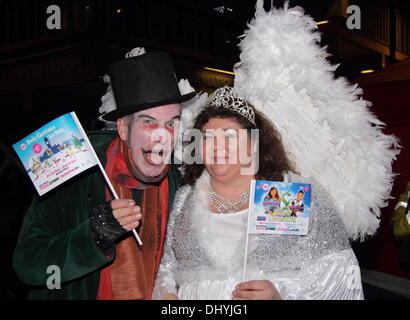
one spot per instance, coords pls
(56, 152)
(279, 207)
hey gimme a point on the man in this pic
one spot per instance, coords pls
(75, 241)
(296, 205)
(401, 227)
(401, 215)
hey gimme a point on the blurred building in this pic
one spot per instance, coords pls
(48, 72)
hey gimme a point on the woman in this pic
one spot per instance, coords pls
(272, 200)
(204, 250)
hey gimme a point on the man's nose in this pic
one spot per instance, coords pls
(161, 135)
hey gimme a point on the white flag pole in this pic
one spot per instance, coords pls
(245, 259)
(101, 168)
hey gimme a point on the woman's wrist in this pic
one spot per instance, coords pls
(170, 296)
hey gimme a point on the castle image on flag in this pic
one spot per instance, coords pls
(55, 153)
(52, 155)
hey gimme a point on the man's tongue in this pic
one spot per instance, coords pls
(153, 157)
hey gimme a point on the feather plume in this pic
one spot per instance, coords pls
(327, 129)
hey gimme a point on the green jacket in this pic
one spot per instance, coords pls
(56, 231)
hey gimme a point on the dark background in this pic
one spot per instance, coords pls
(46, 73)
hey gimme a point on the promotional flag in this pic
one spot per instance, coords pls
(277, 207)
(57, 152)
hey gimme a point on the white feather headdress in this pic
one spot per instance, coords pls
(326, 126)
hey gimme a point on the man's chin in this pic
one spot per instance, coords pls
(151, 173)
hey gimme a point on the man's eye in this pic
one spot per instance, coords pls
(172, 124)
(148, 121)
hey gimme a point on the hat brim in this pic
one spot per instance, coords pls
(123, 111)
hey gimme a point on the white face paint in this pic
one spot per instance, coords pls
(151, 135)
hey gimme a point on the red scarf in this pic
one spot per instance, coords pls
(132, 274)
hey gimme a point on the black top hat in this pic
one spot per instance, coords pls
(144, 82)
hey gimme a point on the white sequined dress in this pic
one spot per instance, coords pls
(204, 252)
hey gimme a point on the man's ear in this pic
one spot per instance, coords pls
(122, 127)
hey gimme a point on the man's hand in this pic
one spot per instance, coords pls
(256, 290)
(126, 213)
(111, 220)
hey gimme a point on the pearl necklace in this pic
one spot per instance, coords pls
(227, 205)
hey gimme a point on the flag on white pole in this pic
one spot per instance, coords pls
(57, 152)
(277, 207)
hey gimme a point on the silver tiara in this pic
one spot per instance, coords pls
(227, 97)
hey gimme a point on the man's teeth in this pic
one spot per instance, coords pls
(152, 151)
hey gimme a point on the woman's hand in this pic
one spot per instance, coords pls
(256, 290)
(170, 296)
